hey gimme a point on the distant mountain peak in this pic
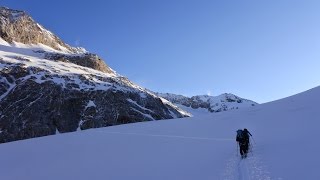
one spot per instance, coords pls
(223, 102)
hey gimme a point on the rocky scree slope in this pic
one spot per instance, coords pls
(49, 87)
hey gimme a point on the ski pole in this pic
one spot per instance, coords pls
(237, 148)
(251, 148)
(253, 140)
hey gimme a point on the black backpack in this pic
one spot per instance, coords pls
(245, 135)
(240, 135)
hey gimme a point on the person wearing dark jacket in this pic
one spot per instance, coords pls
(246, 136)
(243, 137)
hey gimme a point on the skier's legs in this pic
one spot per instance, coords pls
(246, 147)
(242, 149)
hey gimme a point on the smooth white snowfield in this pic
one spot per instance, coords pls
(203, 147)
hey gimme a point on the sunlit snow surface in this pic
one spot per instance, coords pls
(203, 147)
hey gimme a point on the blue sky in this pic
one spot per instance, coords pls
(260, 50)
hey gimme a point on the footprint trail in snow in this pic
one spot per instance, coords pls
(250, 168)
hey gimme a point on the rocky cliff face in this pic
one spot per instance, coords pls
(33, 109)
(18, 26)
(56, 88)
(224, 102)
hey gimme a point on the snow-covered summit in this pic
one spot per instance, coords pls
(223, 102)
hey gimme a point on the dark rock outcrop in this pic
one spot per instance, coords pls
(86, 60)
(32, 109)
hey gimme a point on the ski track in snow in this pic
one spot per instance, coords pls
(250, 168)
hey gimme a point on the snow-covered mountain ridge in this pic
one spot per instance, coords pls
(47, 86)
(223, 102)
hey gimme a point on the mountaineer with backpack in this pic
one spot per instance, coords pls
(243, 139)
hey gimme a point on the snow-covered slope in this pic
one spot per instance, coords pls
(48, 87)
(285, 146)
(223, 102)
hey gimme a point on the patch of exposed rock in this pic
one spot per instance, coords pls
(86, 60)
